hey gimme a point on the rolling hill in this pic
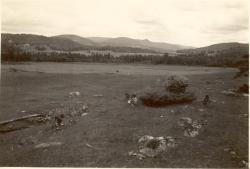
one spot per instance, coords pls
(232, 47)
(71, 42)
(126, 42)
(129, 42)
(40, 41)
(78, 39)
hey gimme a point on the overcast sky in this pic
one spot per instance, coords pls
(186, 22)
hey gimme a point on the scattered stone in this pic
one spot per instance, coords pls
(191, 132)
(219, 81)
(235, 93)
(201, 110)
(227, 149)
(138, 155)
(184, 121)
(245, 95)
(98, 95)
(150, 146)
(245, 163)
(71, 94)
(90, 146)
(85, 108)
(23, 111)
(49, 144)
(84, 114)
(59, 120)
(245, 115)
(132, 100)
(161, 116)
(171, 142)
(191, 127)
(230, 93)
(232, 153)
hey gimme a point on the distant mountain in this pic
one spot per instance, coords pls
(235, 47)
(38, 41)
(98, 39)
(137, 43)
(78, 39)
(125, 42)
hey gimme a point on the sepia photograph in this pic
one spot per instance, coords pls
(124, 83)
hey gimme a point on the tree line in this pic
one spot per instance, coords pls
(223, 59)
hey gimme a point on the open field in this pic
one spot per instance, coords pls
(124, 69)
(104, 136)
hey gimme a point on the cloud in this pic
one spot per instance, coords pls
(149, 22)
(187, 22)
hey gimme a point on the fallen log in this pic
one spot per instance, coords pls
(20, 118)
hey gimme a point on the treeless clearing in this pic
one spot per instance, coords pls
(111, 127)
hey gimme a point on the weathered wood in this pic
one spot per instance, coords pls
(20, 118)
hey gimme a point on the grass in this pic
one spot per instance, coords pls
(113, 127)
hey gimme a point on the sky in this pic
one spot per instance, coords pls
(186, 22)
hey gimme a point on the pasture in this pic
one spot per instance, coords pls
(109, 130)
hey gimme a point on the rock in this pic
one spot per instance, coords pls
(232, 153)
(132, 100)
(191, 127)
(145, 138)
(201, 110)
(191, 133)
(59, 120)
(84, 114)
(85, 108)
(230, 93)
(74, 94)
(149, 152)
(245, 95)
(49, 144)
(98, 95)
(245, 163)
(138, 155)
(171, 141)
(226, 149)
(184, 121)
(150, 146)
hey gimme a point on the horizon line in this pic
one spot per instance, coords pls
(86, 37)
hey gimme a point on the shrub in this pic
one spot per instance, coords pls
(176, 84)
